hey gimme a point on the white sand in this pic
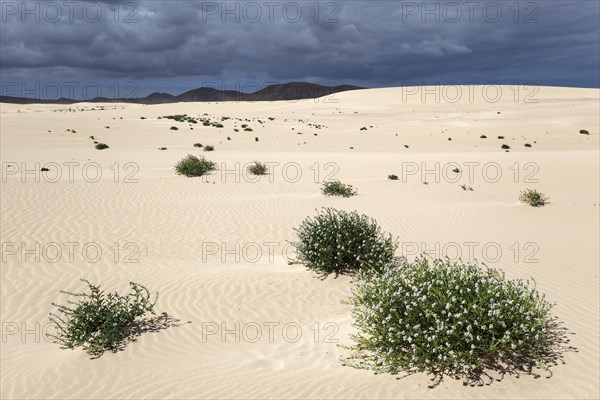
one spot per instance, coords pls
(172, 218)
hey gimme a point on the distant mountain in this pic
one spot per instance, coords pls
(156, 96)
(297, 91)
(28, 100)
(278, 92)
(210, 94)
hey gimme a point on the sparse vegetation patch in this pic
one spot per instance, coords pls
(337, 188)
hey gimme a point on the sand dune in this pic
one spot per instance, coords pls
(180, 234)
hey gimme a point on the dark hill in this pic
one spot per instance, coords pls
(278, 92)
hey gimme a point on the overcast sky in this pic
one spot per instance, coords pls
(173, 46)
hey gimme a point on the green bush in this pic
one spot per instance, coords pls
(533, 198)
(527, 145)
(393, 177)
(584, 132)
(197, 144)
(449, 318)
(209, 148)
(338, 241)
(483, 137)
(174, 128)
(337, 188)
(505, 147)
(191, 165)
(98, 321)
(258, 168)
(101, 146)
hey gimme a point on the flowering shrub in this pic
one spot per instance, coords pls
(339, 241)
(442, 317)
(533, 198)
(98, 321)
(258, 168)
(337, 188)
(194, 166)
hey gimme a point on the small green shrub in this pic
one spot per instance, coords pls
(393, 177)
(456, 170)
(505, 147)
(500, 137)
(450, 318)
(174, 128)
(337, 188)
(191, 166)
(338, 241)
(527, 145)
(101, 146)
(197, 144)
(258, 168)
(248, 129)
(98, 321)
(483, 137)
(584, 132)
(209, 148)
(533, 198)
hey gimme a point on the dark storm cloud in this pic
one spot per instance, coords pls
(366, 42)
